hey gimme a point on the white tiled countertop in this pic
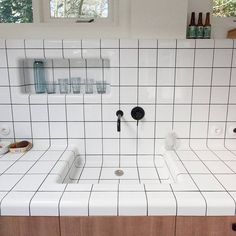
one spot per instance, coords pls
(31, 185)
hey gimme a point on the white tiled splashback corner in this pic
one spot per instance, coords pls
(188, 86)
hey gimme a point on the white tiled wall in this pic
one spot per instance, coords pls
(183, 85)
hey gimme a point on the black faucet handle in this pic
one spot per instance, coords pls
(119, 113)
(137, 113)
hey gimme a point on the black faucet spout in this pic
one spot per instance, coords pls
(119, 114)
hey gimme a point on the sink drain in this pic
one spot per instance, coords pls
(119, 172)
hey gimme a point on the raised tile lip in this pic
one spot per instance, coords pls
(182, 189)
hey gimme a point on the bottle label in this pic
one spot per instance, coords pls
(200, 32)
(207, 32)
(192, 32)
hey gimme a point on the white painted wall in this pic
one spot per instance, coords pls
(136, 18)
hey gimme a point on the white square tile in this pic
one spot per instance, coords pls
(132, 204)
(217, 167)
(146, 146)
(74, 204)
(15, 43)
(218, 112)
(22, 130)
(75, 129)
(185, 206)
(110, 130)
(53, 43)
(4, 81)
(129, 43)
(147, 95)
(206, 155)
(99, 206)
(228, 181)
(7, 182)
(204, 58)
(20, 167)
(16, 203)
(72, 53)
(182, 129)
(53, 53)
(184, 77)
(147, 43)
(164, 112)
(223, 43)
(167, 43)
(6, 114)
(74, 112)
(232, 98)
(206, 43)
(42, 167)
(233, 77)
(58, 130)
(162, 129)
(71, 43)
(146, 130)
(165, 95)
(231, 113)
(225, 155)
(185, 43)
(112, 55)
(92, 112)
(202, 76)
(5, 165)
(214, 206)
(128, 76)
(182, 112)
(34, 53)
(128, 57)
(3, 62)
(147, 58)
(57, 113)
(128, 146)
(93, 129)
(45, 203)
(40, 130)
(221, 77)
(195, 167)
(185, 58)
(199, 130)
(183, 95)
(207, 182)
(33, 43)
(21, 113)
(219, 95)
(110, 43)
(165, 76)
(110, 146)
(91, 43)
(94, 146)
(29, 183)
(147, 76)
(200, 112)
(161, 203)
(128, 95)
(201, 95)
(15, 57)
(222, 57)
(166, 58)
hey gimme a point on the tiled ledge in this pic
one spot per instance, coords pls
(29, 189)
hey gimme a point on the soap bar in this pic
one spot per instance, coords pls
(19, 147)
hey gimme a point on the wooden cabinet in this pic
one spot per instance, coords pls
(117, 226)
(29, 226)
(205, 226)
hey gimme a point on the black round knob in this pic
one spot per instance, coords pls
(234, 227)
(234, 130)
(137, 113)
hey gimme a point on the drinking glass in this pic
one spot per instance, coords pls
(64, 85)
(101, 87)
(89, 83)
(76, 85)
(51, 88)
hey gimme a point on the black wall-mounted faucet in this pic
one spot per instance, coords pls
(119, 114)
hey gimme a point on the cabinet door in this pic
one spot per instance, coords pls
(117, 226)
(205, 226)
(29, 226)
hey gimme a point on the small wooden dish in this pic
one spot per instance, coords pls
(20, 147)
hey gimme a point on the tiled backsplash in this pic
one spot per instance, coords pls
(188, 86)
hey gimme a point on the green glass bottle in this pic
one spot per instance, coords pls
(192, 27)
(200, 28)
(207, 27)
